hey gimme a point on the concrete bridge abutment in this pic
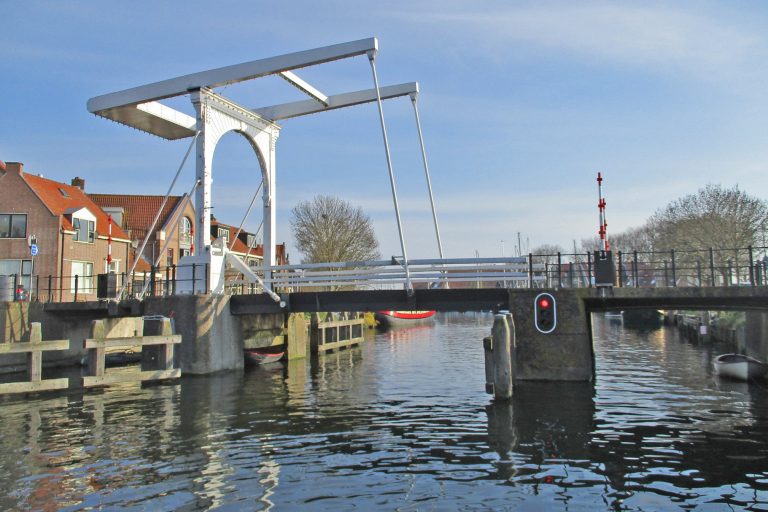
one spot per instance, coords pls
(517, 351)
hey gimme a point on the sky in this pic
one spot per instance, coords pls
(521, 104)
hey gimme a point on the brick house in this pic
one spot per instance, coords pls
(171, 238)
(71, 234)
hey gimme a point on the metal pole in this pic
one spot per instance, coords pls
(674, 274)
(247, 212)
(589, 269)
(621, 270)
(530, 270)
(698, 271)
(635, 273)
(408, 285)
(426, 173)
(751, 267)
(559, 270)
(712, 266)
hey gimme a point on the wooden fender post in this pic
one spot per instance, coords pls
(489, 371)
(502, 356)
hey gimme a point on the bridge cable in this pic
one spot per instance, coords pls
(408, 285)
(160, 210)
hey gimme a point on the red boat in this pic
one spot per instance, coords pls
(255, 356)
(387, 319)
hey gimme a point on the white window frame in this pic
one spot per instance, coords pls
(85, 279)
(25, 277)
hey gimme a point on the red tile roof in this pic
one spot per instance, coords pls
(239, 246)
(50, 193)
(139, 211)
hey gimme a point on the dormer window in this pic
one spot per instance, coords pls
(252, 241)
(85, 230)
(84, 224)
(223, 234)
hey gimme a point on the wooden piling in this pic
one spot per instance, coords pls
(502, 357)
(489, 371)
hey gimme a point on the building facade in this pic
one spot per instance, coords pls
(74, 238)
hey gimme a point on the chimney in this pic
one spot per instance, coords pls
(14, 167)
(79, 183)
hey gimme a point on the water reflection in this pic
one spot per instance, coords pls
(401, 422)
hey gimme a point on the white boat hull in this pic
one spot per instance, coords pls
(739, 367)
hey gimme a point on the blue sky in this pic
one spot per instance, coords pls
(521, 103)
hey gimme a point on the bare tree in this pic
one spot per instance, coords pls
(329, 229)
(725, 220)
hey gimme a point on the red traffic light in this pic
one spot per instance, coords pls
(544, 303)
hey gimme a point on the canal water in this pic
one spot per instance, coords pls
(402, 423)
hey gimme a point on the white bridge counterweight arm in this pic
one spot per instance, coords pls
(347, 99)
(227, 75)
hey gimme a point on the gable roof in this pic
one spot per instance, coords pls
(139, 210)
(61, 199)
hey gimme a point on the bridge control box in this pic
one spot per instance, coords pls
(605, 269)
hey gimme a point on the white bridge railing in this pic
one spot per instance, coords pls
(390, 274)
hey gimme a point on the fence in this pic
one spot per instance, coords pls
(669, 268)
(34, 350)
(157, 355)
(336, 332)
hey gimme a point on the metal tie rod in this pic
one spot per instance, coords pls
(408, 285)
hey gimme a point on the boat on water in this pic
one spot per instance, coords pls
(257, 356)
(739, 367)
(388, 319)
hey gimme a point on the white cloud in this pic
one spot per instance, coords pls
(646, 36)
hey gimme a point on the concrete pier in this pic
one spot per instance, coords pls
(565, 354)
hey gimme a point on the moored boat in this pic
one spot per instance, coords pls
(254, 356)
(387, 319)
(739, 367)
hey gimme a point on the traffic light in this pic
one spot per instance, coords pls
(545, 313)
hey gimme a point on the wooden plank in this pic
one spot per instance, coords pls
(137, 376)
(32, 387)
(21, 348)
(131, 341)
(325, 347)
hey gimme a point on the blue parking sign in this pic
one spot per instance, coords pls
(33, 249)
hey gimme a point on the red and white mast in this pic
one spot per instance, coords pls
(109, 242)
(604, 246)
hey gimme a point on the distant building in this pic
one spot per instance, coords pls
(70, 231)
(246, 246)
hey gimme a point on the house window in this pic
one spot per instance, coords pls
(252, 241)
(21, 268)
(84, 272)
(169, 258)
(185, 232)
(223, 233)
(113, 267)
(13, 225)
(85, 230)
(184, 252)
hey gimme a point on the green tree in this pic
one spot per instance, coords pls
(329, 229)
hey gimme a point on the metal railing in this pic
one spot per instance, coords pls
(702, 268)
